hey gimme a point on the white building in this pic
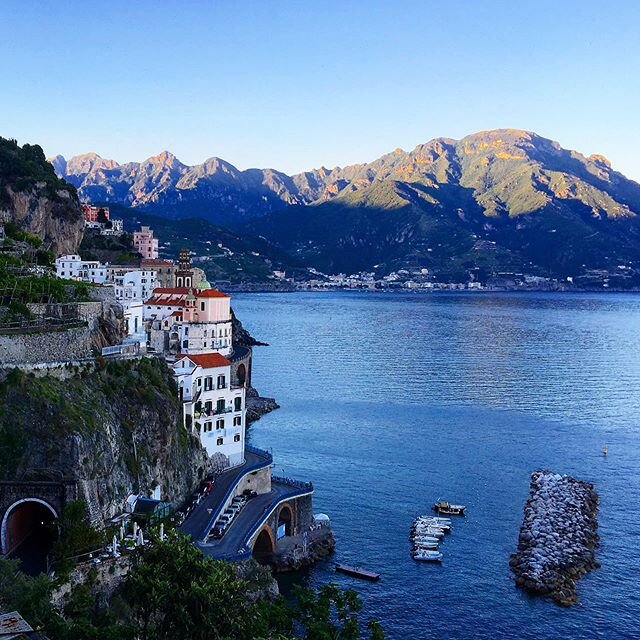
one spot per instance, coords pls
(73, 267)
(206, 322)
(134, 285)
(212, 407)
(115, 229)
(164, 302)
(133, 318)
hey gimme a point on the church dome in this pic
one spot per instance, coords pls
(204, 284)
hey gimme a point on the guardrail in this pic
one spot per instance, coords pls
(292, 482)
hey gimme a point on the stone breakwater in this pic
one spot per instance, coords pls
(558, 537)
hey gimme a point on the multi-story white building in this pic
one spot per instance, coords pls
(73, 267)
(145, 244)
(206, 322)
(134, 285)
(212, 406)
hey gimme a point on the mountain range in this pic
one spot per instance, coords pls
(501, 200)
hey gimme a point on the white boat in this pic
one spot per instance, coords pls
(425, 545)
(445, 528)
(429, 531)
(431, 518)
(438, 523)
(427, 556)
(426, 539)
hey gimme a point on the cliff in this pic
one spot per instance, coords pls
(114, 429)
(34, 198)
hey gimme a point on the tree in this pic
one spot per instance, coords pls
(76, 535)
(331, 614)
(176, 592)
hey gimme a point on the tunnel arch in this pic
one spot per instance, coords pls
(25, 519)
(285, 518)
(264, 546)
(241, 374)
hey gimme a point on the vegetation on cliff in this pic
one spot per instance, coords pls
(173, 592)
(115, 428)
(36, 200)
(24, 168)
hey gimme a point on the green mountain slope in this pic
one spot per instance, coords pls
(495, 201)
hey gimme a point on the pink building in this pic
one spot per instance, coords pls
(145, 244)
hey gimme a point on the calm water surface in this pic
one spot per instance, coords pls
(390, 401)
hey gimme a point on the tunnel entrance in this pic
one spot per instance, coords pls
(263, 547)
(28, 534)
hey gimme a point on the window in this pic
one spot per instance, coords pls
(220, 405)
(236, 438)
(237, 403)
(219, 441)
(237, 421)
(222, 382)
(220, 423)
(185, 344)
(199, 382)
(205, 343)
(208, 383)
(207, 426)
(202, 306)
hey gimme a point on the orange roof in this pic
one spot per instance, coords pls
(206, 360)
(173, 290)
(168, 302)
(211, 293)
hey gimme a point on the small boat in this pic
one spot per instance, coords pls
(424, 545)
(429, 531)
(427, 556)
(358, 572)
(445, 528)
(425, 539)
(444, 523)
(449, 509)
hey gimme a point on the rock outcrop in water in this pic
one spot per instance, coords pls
(558, 537)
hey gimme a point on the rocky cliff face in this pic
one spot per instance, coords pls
(115, 430)
(36, 200)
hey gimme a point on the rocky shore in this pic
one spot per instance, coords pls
(558, 537)
(320, 544)
(257, 406)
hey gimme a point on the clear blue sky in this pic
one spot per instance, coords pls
(295, 85)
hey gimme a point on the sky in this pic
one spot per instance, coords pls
(295, 85)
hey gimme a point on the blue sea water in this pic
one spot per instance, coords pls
(390, 401)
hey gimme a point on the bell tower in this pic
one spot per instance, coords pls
(184, 274)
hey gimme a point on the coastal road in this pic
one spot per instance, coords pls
(197, 524)
(254, 514)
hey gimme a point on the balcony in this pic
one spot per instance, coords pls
(215, 411)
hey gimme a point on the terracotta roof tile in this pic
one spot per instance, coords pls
(206, 360)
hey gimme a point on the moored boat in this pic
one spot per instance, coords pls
(449, 509)
(428, 556)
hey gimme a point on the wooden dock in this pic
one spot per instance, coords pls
(358, 572)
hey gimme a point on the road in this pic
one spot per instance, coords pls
(198, 523)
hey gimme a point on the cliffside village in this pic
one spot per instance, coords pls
(171, 311)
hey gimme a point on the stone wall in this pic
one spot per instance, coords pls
(54, 346)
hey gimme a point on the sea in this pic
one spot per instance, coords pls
(391, 401)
